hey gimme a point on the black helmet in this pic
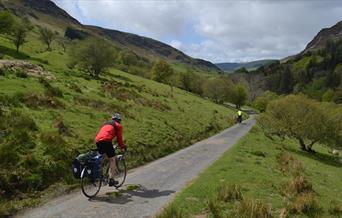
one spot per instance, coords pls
(116, 117)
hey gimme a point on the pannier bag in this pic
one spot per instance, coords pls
(92, 160)
(94, 163)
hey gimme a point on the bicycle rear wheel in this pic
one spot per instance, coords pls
(90, 186)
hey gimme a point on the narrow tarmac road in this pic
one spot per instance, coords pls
(157, 182)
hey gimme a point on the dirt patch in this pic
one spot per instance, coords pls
(26, 68)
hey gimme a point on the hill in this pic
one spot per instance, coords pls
(47, 13)
(230, 67)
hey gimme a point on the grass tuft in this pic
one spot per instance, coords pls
(335, 208)
(228, 193)
(214, 208)
(297, 185)
(171, 212)
(253, 209)
(305, 203)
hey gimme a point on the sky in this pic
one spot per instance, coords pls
(215, 30)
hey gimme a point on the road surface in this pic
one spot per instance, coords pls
(157, 182)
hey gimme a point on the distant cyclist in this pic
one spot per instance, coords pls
(239, 118)
(104, 137)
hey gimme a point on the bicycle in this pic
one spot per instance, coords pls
(94, 177)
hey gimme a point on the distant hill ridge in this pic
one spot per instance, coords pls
(229, 67)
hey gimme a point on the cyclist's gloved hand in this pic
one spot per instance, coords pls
(124, 149)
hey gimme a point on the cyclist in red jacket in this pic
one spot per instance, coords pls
(104, 137)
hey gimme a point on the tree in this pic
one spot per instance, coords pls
(6, 22)
(297, 117)
(263, 100)
(161, 71)
(238, 95)
(187, 80)
(218, 89)
(47, 36)
(64, 42)
(93, 56)
(128, 58)
(19, 34)
(197, 85)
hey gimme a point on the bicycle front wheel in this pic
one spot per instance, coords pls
(121, 171)
(90, 186)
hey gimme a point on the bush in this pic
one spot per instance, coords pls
(50, 90)
(305, 203)
(21, 74)
(228, 193)
(262, 100)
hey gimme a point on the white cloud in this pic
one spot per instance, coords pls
(216, 30)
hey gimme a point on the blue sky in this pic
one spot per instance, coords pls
(218, 31)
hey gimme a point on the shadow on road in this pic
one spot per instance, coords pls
(125, 196)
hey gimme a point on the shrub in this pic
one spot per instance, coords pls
(253, 209)
(21, 74)
(228, 193)
(305, 203)
(50, 90)
(263, 100)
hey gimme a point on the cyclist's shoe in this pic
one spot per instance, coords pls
(113, 182)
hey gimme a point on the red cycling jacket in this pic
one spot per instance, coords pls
(109, 131)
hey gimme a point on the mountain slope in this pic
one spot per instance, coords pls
(151, 48)
(47, 13)
(327, 34)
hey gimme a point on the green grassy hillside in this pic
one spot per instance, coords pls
(259, 177)
(46, 121)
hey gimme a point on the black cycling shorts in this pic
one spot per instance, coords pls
(106, 148)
